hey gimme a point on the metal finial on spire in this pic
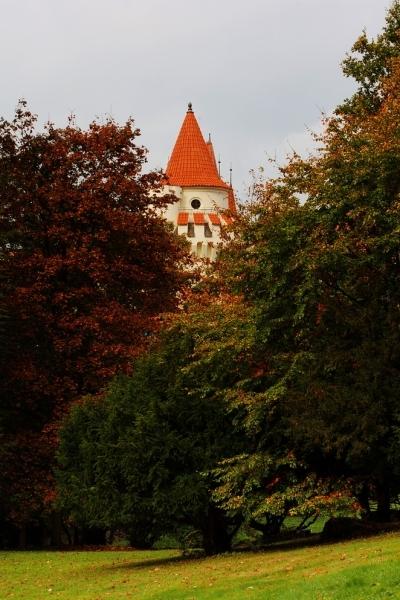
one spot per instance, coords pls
(209, 138)
(219, 165)
(190, 107)
(230, 175)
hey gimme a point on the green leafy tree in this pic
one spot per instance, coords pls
(369, 61)
(323, 277)
(299, 359)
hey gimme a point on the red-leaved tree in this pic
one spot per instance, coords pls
(87, 265)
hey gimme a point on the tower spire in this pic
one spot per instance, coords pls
(192, 162)
(205, 203)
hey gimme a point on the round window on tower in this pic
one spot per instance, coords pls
(195, 203)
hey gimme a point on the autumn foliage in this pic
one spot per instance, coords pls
(275, 391)
(293, 340)
(87, 265)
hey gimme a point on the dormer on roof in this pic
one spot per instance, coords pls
(210, 148)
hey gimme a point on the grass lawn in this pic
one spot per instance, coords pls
(360, 569)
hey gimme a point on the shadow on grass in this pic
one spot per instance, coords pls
(151, 562)
(199, 555)
(315, 539)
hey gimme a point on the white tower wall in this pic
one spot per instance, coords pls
(205, 237)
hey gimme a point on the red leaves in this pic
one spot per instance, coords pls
(89, 264)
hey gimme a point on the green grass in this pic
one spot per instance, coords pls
(359, 569)
(316, 527)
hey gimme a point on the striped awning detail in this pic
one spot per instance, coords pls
(214, 219)
(183, 218)
(198, 218)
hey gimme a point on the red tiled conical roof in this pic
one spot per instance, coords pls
(191, 162)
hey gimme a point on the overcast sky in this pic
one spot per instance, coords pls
(258, 72)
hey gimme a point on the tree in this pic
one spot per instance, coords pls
(88, 266)
(142, 458)
(323, 277)
(304, 348)
(371, 60)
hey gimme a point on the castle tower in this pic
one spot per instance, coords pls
(205, 202)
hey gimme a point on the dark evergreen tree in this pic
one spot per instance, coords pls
(142, 457)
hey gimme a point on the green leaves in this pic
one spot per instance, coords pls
(152, 450)
(275, 391)
(370, 61)
(321, 281)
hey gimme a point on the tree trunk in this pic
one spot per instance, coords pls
(55, 529)
(67, 532)
(216, 537)
(383, 500)
(93, 536)
(22, 537)
(363, 498)
(271, 528)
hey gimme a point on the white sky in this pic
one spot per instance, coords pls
(258, 72)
